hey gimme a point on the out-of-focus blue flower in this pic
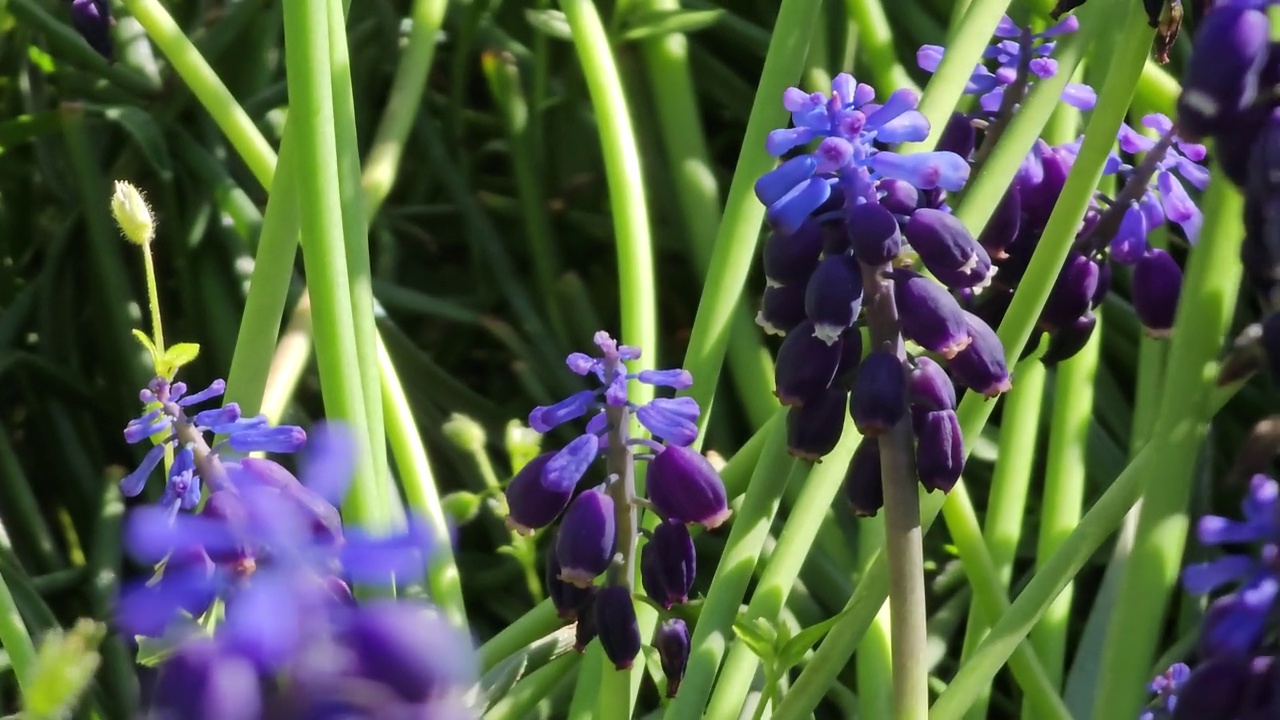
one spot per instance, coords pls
(1236, 622)
(1007, 52)
(1166, 198)
(848, 125)
(92, 19)
(195, 463)
(672, 419)
(1166, 686)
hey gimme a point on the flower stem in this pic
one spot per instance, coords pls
(904, 539)
(875, 653)
(153, 299)
(620, 465)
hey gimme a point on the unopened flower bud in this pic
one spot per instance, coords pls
(781, 309)
(939, 448)
(567, 598)
(879, 397)
(929, 314)
(671, 640)
(814, 430)
(539, 493)
(943, 243)
(930, 387)
(585, 544)
(1157, 283)
(1067, 341)
(1231, 47)
(805, 366)
(92, 19)
(873, 233)
(1002, 228)
(585, 631)
(464, 432)
(833, 296)
(899, 196)
(683, 486)
(958, 136)
(862, 483)
(132, 213)
(1216, 689)
(791, 259)
(616, 625)
(981, 366)
(668, 564)
(1072, 293)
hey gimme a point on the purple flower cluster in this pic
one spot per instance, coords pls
(265, 563)
(1166, 687)
(681, 487)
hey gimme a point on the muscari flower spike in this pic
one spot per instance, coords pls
(849, 125)
(1236, 622)
(1166, 198)
(1013, 43)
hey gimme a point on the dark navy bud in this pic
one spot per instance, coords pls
(944, 243)
(202, 681)
(805, 366)
(1230, 49)
(981, 365)
(835, 237)
(584, 547)
(1072, 292)
(814, 430)
(1216, 689)
(930, 387)
(850, 355)
(974, 278)
(585, 631)
(933, 199)
(671, 640)
(535, 498)
(879, 397)
(1066, 342)
(668, 565)
(899, 196)
(92, 19)
(929, 314)
(781, 309)
(1104, 283)
(1038, 198)
(791, 259)
(862, 484)
(616, 625)
(833, 297)
(683, 486)
(1002, 228)
(873, 233)
(1157, 283)
(958, 136)
(939, 448)
(567, 598)
(1235, 150)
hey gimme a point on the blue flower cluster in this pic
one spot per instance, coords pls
(265, 562)
(681, 487)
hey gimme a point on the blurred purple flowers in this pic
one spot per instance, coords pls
(92, 19)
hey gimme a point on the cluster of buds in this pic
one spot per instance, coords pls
(267, 557)
(597, 532)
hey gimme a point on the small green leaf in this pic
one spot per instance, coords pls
(550, 22)
(146, 343)
(177, 356)
(498, 682)
(758, 635)
(462, 506)
(64, 668)
(656, 23)
(793, 650)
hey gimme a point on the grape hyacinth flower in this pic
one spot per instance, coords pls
(1235, 623)
(92, 19)
(598, 527)
(1166, 686)
(671, 639)
(1016, 47)
(1230, 687)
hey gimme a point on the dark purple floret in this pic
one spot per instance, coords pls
(1157, 283)
(833, 297)
(981, 366)
(92, 19)
(959, 136)
(930, 315)
(943, 242)
(616, 625)
(805, 366)
(567, 598)
(1066, 342)
(781, 308)
(203, 681)
(585, 631)
(879, 397)
(683, 486)
(939, 448)
(584, 546)
(1040, 183)
(670, 562)
(873, 233)
(791, 259)
(536, 497)
(1230, 49)
(930, 386)
(850, 355)
(862, 484)
(408, 648)
(1216, 689)
(898, 196)
(1072, 293)
(814, 430)
(1002, 228)
(1104, 283)
(1270, 341)
(671, 640)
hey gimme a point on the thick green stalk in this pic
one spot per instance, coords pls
(1190, 399)
(874, 664)
(876, 48)
(1006, 508)
(636, 286)
(208, 88)
(1064, 486)
(714, 628)
(740, 226)
(359, 274)
(324, 251)
(1151, 570)
(817, 495)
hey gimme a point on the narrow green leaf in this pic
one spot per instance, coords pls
(145, 131)
(177, 356)
(758, 635)
(549, 22)
(655, 23)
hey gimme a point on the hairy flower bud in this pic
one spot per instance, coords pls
(833, 296)
(930, 386)
(791, 259)
(929, 314)
(781, 309)
(668, 564)
(683, 486)
(862, 484)
(879, 397)
(939, 448)
(814, 430)
(671, 640)
(587, 538)
(981, 366)
(805, 366)
(1157, 283)
(616, 625)
(131, 212)
(873, 233)
(1231, 47)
